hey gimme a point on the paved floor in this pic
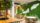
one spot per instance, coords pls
(8, 21)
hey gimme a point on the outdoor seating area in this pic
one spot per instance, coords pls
(19, 11)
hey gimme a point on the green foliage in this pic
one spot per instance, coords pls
(19, 11)
(33, 12)
(5, 5)
(24, 6)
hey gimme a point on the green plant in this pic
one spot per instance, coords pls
(6, 4)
